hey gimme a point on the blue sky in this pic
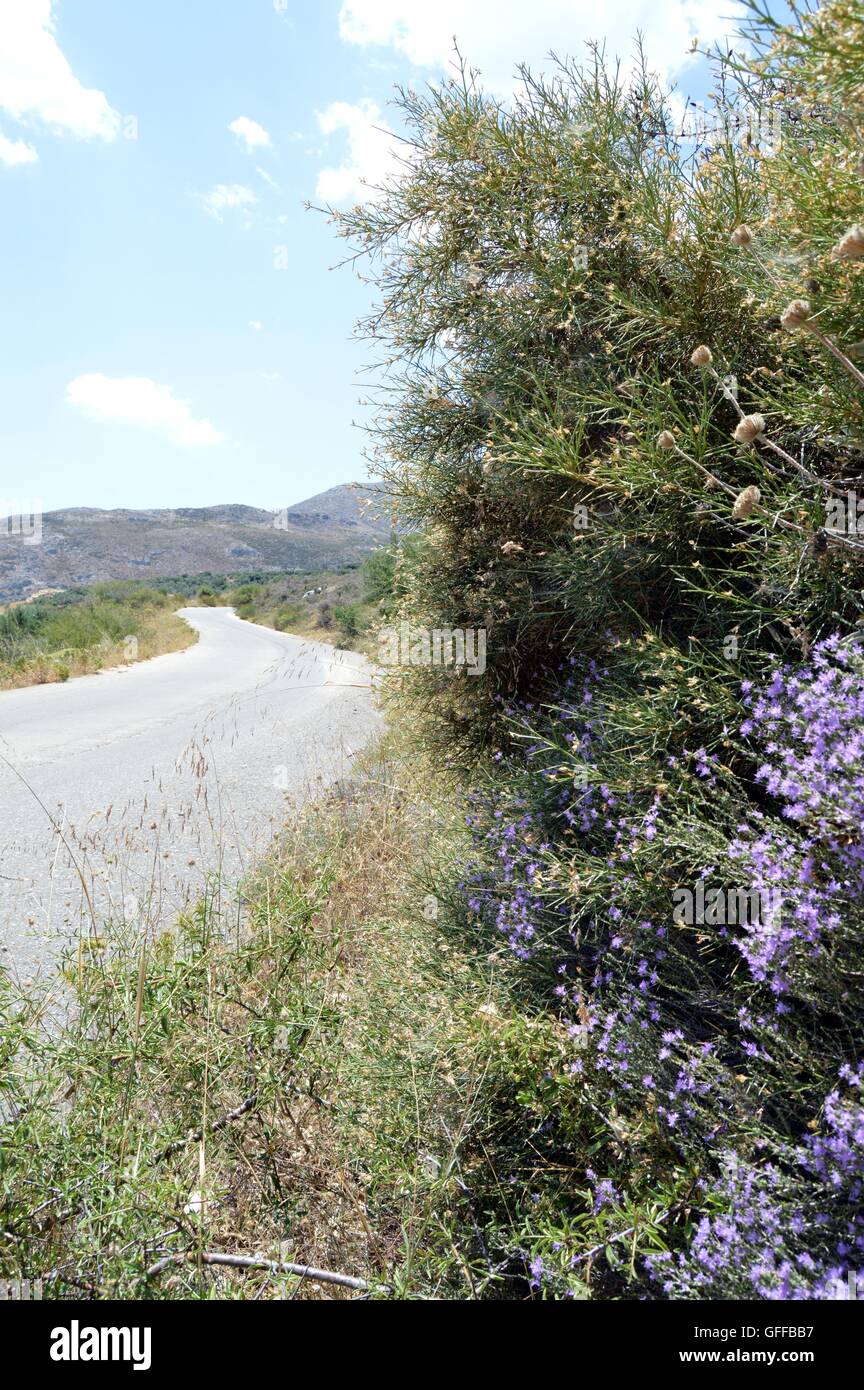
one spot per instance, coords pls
(173, 334)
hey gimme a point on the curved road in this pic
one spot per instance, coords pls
(156, 781)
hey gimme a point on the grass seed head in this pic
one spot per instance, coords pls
(850, 247)
(796, 315)
(749, 429)
(745, 502)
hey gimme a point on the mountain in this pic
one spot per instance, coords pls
(83, 545)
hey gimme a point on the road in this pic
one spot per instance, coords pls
(147, 781)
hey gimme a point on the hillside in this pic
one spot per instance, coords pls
(84, 545)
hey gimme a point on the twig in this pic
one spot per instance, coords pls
(196, 1135)
(769, 443)
(839, 355)
(621, 1235)
(778, 520)
(214, 1257)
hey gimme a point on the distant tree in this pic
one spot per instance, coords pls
(385, 572)
(349, 620)
(287, 617)
(379, 570)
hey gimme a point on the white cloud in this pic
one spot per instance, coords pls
(371, 152)
(142, 403)
(268, 178)
(225, 196)
(253, 135)
(256, 325)
(36, 81)
(495, 35)
(14, 152)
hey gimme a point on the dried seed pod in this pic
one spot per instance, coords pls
(850, 247)
(701, 356)
(818, 544)
(745, 502)
(795, 315)
(749, 429)
(742, 236)
(665, 440)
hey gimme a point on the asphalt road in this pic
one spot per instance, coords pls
(155, 782)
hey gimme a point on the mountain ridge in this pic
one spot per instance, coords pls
(84, 545)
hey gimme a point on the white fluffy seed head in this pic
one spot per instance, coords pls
(745, 502)
(796, 315)
(749, 429)
(850, 247)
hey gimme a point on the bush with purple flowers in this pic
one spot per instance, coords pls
(810, 724)
(666, 870)
(684, 1051)
(791, 1229)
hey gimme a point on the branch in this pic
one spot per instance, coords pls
(631, 1230)
(197, 1134)
(214, 1257)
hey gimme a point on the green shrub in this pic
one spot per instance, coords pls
(349, 620)
(619, 429)
(577, 253)
(287, 617)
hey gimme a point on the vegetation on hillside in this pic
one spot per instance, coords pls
(83, 630)
(344, 607)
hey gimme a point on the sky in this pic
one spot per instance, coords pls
(174, 332)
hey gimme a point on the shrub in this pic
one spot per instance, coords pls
(287, 617)
(349, 619)
(629, 410)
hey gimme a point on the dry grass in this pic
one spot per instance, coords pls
(295, 1090)
(384, 1044)
(161, 632)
